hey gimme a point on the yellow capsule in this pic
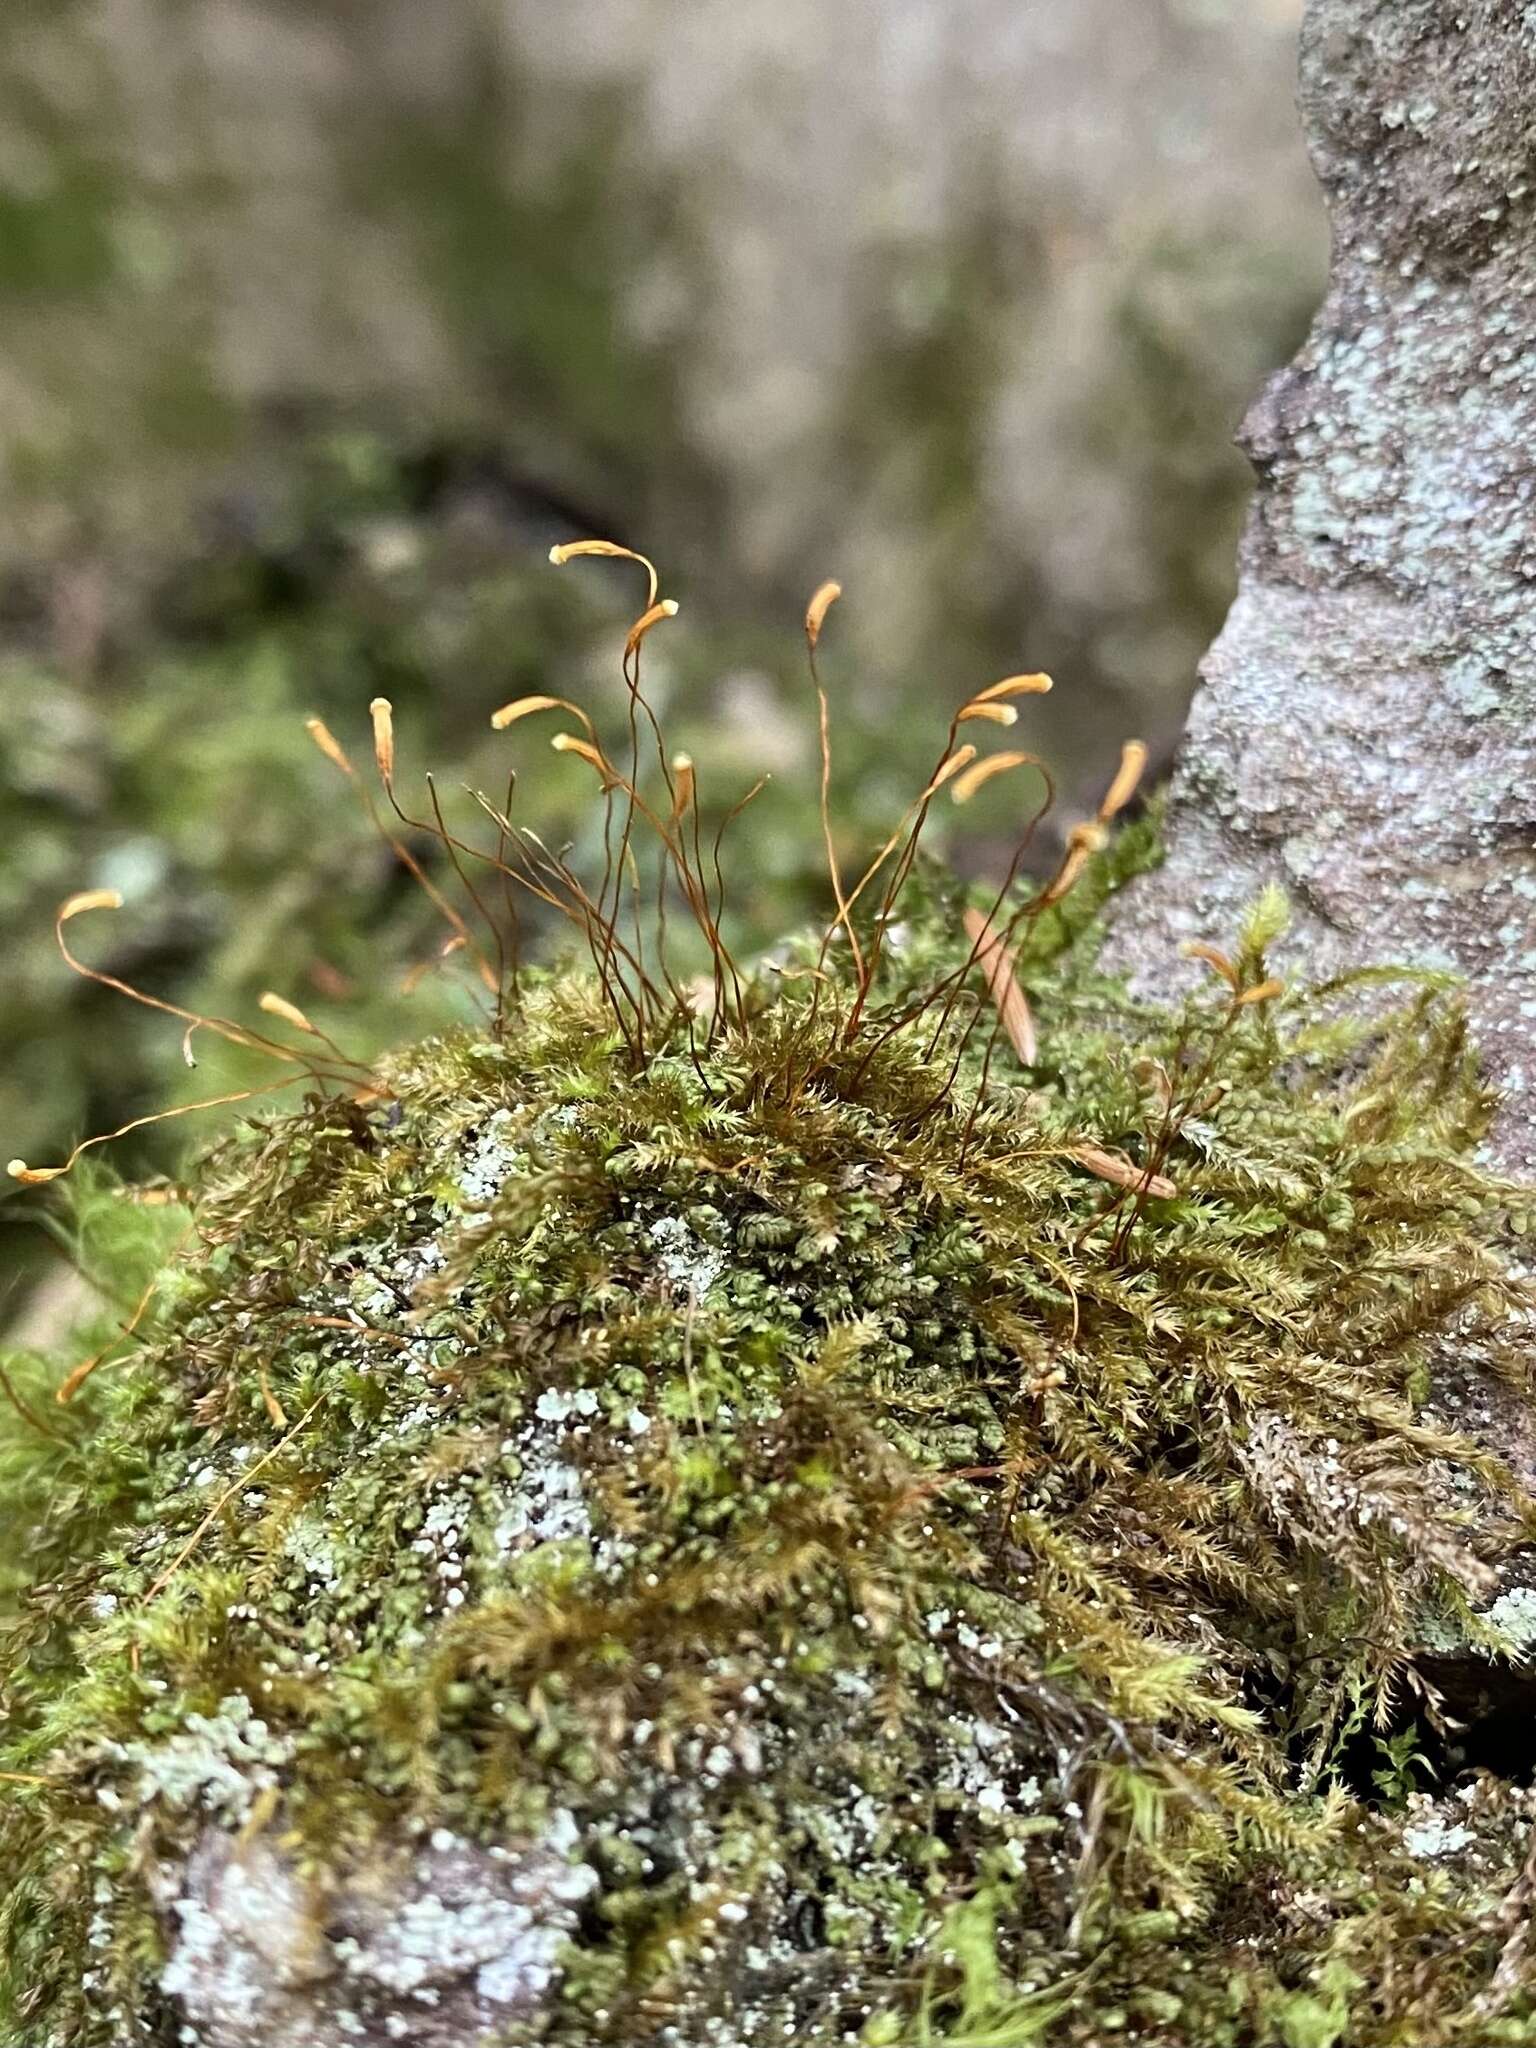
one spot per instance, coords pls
(567, 551)
(667, 609)
(816, 611)
(328, 744)
(89, 899)
(279, 1006)
(983, 772)
(1014, 686)
(1133, 761)
(382, 714)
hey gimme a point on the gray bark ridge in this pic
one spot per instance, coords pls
(1366, 730)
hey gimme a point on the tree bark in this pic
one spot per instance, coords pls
(1365, 731)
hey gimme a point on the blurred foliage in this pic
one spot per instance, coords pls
(177, 770)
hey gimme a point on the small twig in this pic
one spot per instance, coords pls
(345, 1323)
(235, 1486)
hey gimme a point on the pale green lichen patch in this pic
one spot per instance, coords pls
(1513, 1614)
(768, 1543)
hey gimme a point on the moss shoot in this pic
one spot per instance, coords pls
(850, 1506)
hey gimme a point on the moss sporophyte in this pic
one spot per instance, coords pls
(861, 1498)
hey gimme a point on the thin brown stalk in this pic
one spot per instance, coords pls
(720, 831)
(236, 1034)
(942, 1094)
(491, 924)
(237, 1485)
(37, 1176)
(656, 610)
(491, 978)
(815, 617)
(514, 920)
(424, 882)
(606, 951)
(909, 828)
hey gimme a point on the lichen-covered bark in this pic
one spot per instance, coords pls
(443, 1945)
(1365, 734)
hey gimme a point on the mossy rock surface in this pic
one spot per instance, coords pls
(769, 1544)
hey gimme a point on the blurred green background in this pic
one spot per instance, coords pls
(321, 319)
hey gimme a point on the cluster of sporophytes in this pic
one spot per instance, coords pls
(862, 1498)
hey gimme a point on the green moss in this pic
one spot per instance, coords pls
(869, 1578)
